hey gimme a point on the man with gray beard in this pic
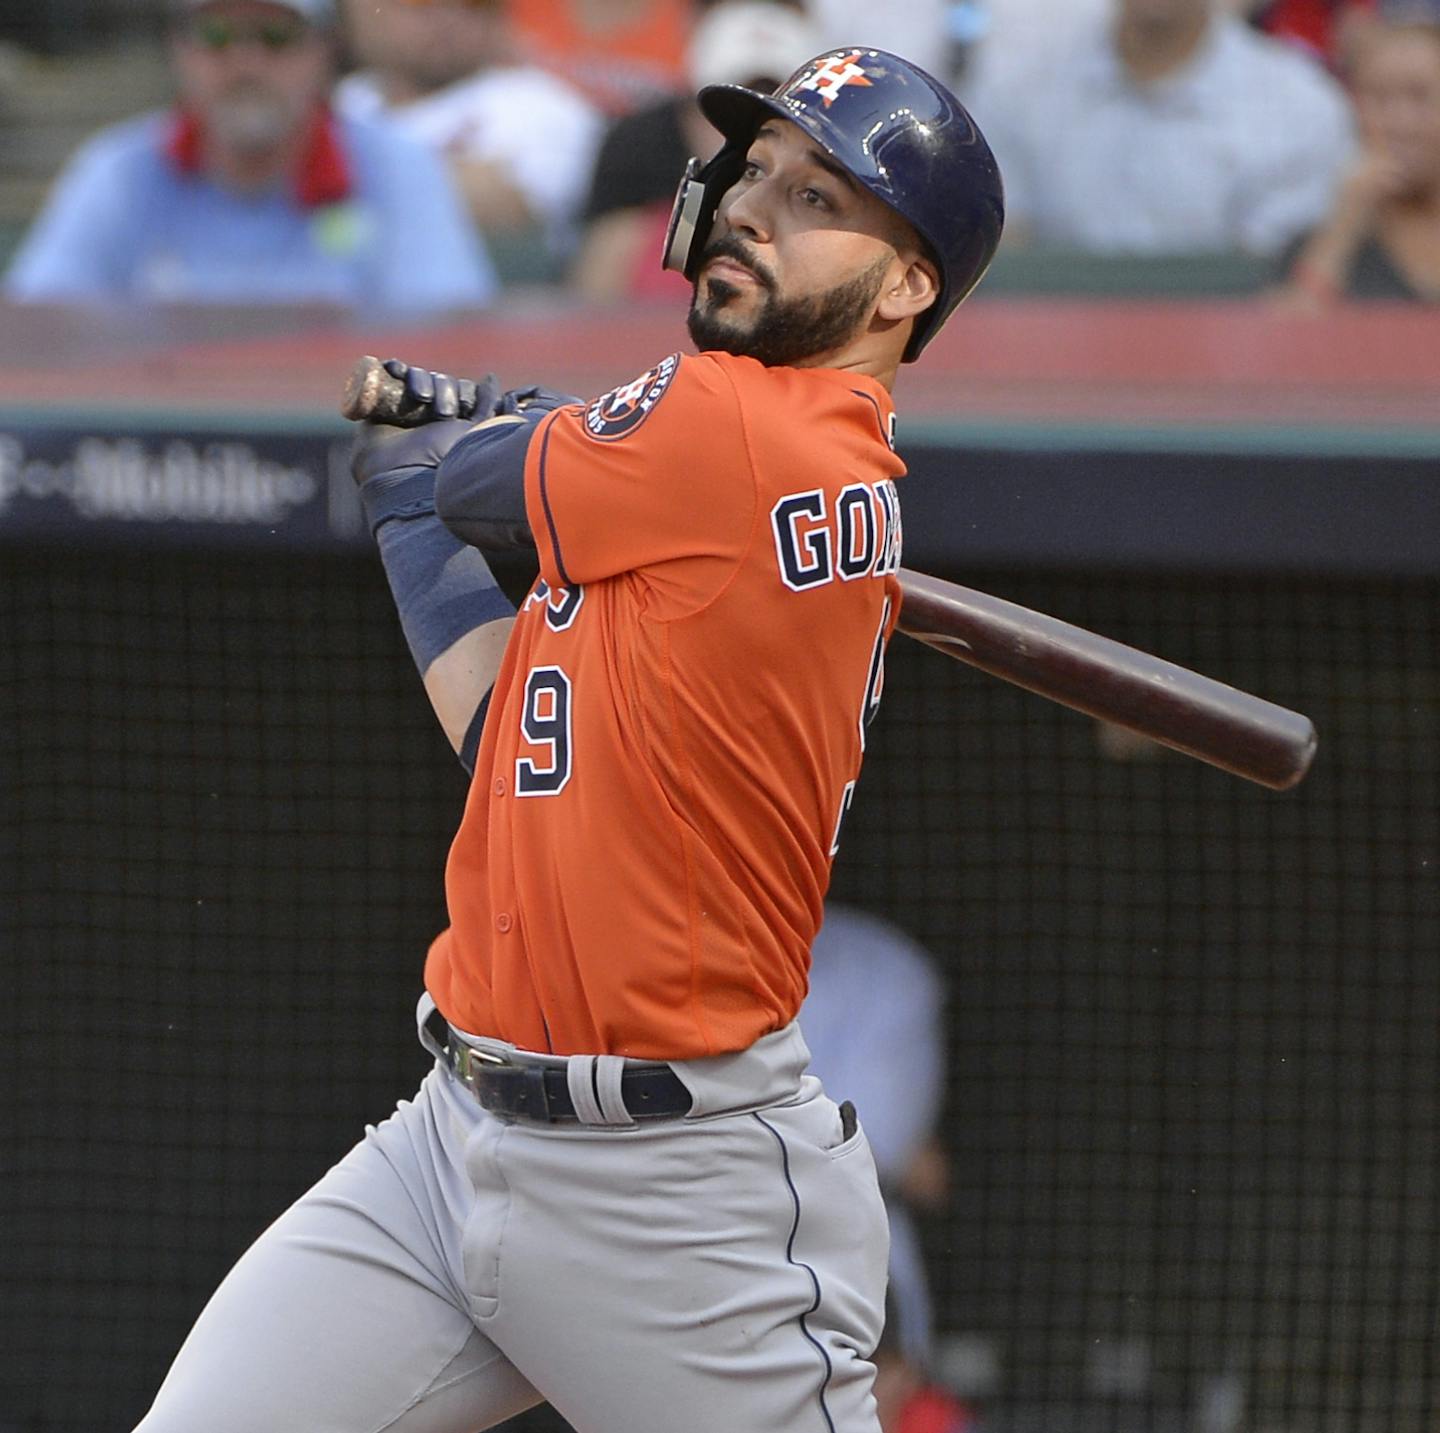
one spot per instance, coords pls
(250, 191)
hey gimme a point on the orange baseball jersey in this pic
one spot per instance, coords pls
(680, 716)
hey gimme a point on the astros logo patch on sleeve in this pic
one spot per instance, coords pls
(623, 410)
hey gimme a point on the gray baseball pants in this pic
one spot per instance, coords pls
(720, 1273)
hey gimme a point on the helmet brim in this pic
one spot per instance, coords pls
(738, 113)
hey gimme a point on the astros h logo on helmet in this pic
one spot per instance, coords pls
(833, 74)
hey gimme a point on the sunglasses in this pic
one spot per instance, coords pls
(217, 35)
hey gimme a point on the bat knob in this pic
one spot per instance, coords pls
(369, 392)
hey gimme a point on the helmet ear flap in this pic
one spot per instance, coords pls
(686, 233)
(696, 200)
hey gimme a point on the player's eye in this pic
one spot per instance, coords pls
(814, 199)
(751, 170)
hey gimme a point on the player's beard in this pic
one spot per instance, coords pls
(784, 331)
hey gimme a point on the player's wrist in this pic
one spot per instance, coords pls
(401, 493)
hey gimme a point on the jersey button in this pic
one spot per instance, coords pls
(500, 786)
(503, 922)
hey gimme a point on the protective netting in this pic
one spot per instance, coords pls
(1193, 1119)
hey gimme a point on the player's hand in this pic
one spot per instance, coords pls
(380, 449)
(1374, 180)
(529, 400)
(444, 396)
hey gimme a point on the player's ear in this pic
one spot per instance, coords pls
(911, 286)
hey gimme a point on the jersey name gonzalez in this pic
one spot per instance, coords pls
(857, 536)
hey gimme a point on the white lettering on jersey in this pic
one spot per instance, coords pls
(562, 604)
(802, 540)
(855, 548)
(858, 536)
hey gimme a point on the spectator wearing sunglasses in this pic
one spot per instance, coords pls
(250, 191)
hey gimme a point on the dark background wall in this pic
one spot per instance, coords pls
(1192, 1103)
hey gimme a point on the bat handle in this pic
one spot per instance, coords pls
(373, 395)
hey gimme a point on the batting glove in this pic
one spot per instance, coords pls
(444, 396)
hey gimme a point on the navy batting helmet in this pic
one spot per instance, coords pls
(902, 134)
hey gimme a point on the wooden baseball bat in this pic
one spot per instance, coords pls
(1169, 704)
(1172, 705)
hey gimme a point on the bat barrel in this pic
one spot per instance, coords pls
(1191, 713)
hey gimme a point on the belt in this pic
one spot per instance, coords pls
(513, 1087)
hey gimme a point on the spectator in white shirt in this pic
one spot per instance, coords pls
(919, 30)
(1169, 128)
(519, 141)
(1012, 33)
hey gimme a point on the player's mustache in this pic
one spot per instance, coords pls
(729, 246)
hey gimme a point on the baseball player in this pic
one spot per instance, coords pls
(619, 1189)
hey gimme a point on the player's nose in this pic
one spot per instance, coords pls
(745, 209)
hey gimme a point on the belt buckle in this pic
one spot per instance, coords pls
(533, 1099)
(466, 1057)
(528, 1100)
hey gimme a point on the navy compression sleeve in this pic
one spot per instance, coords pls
(442, 586)
(480, 486)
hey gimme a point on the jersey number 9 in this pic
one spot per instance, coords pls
(546, 726)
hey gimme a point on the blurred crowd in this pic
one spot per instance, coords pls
(418, 157)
